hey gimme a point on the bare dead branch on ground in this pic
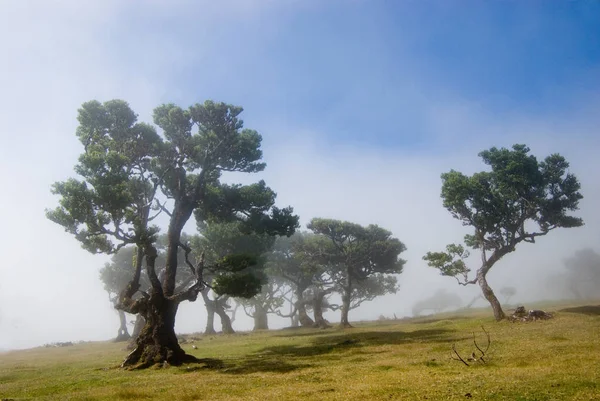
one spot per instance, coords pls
(473, 357)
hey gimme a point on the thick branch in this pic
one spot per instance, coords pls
(466, 282)
(125, 301)
(292, 312)
(188, 250)
(357, 303)
(532, 236)
(191, 294)
(247, 312)
(151, 255)
(496, 256)
(118, 234)
(155, 215)
(132, 306)
(486, 265)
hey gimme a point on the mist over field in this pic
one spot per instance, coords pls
(360, 114)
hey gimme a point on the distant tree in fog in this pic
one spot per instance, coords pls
(508, 293)
(376, 285)
(217, 241)
(519, 200)
(358, 260)
(269, 300)
(582, 275)
(438, 302)
(311, 276)
(292, 260)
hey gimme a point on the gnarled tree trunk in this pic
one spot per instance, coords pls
(123, 333)
(293, 315)
(303, 318)
(346, 295)
(261, 320)
(210, 320)
(490, 296)
(318, 309)
(344, 322)
(226, 325)
(157, 342)
(210, 313)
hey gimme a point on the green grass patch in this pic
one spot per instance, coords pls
(409, 359)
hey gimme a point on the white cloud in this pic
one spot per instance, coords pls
(401, 192)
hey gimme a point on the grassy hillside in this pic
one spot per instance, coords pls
(557, 359)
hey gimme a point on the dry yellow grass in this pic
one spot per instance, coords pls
(557, 359)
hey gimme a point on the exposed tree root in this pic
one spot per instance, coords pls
(141, 358)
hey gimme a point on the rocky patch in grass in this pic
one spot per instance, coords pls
(522, 315)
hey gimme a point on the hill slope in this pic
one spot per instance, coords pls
(544, 360)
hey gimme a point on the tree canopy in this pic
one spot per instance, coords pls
(518, 200)
(358, 256)
(129, 173)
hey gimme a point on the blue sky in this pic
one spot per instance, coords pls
(362, 105)
(362, 70)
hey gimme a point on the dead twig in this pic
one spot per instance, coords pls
(458, 355)
(474, 357)
(477, 346)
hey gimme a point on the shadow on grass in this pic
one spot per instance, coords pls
(584, 310)
(249, 364)
(423, 320)
(307, 332)
(288, 358)
(254, 364)
(348, 340)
